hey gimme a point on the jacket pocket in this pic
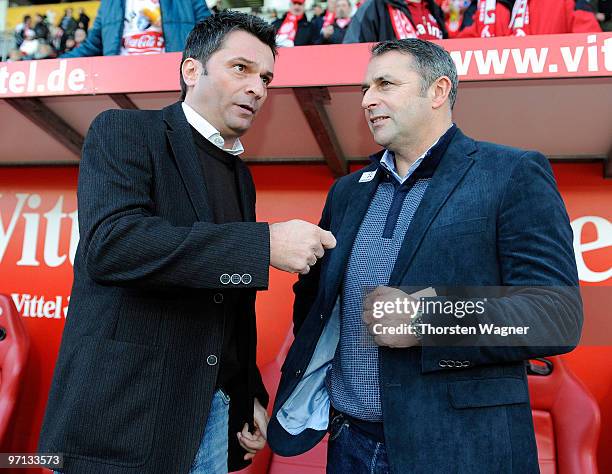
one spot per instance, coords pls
(491, 392)
(111, 416)
(470, 226)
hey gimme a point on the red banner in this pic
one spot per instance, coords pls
(541, 57)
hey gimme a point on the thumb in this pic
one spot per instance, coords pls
(328, 240)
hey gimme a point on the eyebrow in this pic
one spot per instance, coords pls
(378, 80)
(248, 62)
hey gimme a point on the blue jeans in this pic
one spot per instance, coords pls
(351, 451)
(211, 457)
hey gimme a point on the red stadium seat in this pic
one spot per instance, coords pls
(566, 419)
(14, 346)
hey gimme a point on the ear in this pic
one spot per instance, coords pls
(440, 90)
(191, 71)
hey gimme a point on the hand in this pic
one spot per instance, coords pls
(600, 16)
(296, 245)
(256, 441)
(382, 311)
(327, 31)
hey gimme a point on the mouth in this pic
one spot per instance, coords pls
(247, 108)
(378, 120)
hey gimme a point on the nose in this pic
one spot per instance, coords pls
(256, 87)
(369, 99)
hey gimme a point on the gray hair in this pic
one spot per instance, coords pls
(430, 61)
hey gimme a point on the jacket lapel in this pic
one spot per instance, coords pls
(183, 148)
(451, 169)
(245, 188)
(357, 205)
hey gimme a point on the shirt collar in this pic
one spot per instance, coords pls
(205, 128)
(433, 156)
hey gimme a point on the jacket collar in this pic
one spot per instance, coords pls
(447, 170)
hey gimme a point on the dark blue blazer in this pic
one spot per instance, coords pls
(491, 216)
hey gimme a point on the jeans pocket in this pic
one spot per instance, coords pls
(336, 426)
(225, 397)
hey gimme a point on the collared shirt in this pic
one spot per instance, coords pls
(388, 161)
(205, 128)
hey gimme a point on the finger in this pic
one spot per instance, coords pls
(312, 260)
(380, 340)
(253, 445)
(245, 432)
(327, 239)
(261, 423)
(374, 295)
(305, 270)
(319, 251)
(249, 456)
(367, 317)
(245, 443)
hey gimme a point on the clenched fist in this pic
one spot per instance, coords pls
(296, 245)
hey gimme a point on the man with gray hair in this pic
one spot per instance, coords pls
(435, 210)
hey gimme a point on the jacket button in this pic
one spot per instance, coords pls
(212, 360)
(298, 372)
(236, 279)
(225, 279)
(218, 298)
(247, 278)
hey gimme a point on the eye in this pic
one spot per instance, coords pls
(266, 80)
(364, 90)
(240, 67)
(385, 83)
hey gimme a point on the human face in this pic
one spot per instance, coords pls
(297, 8)
(235, 86)
(343, 10)
(395, 110)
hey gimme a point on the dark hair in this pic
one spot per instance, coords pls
(26, 18)
(430, 61)
(208, 35)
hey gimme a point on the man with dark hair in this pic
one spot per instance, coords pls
(381, 20)
(294, 29)
(437, 214)
(126, 27)
(156, 371)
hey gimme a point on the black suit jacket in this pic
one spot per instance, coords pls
(139, 355)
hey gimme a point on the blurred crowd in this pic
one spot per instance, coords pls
(380, 20)
(38, 37)
(146, 30)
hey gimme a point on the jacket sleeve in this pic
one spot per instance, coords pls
(200, 9)
(307, 286)
(582, 17)
(92, 46)
(537, 265)
(125, 244)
